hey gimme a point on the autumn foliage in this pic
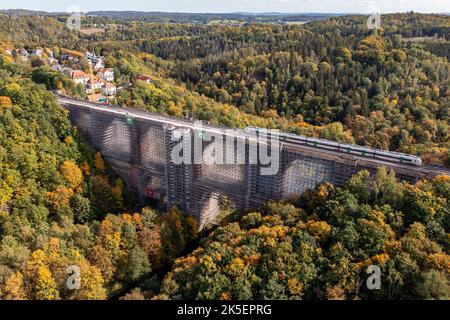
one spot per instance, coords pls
(321, 247)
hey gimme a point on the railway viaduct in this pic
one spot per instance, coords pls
(139, 146)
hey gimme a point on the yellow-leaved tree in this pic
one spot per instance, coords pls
(99, 163)
(71, 173)
(13, 288)
(5, 102)
(39, 279)
(45, 286)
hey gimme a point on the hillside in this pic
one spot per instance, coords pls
(60, 205)
(321, 246)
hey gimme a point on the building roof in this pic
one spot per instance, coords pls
(78, 74)
(103, 70)
(109, 85)
(96, 80)
(144, 77)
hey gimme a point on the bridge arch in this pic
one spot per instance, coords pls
(305, 173)
(212, 204)
(116, 140)
(152, 148)
(223, 170)
(82, 119)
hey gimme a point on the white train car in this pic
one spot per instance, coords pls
(343, 148)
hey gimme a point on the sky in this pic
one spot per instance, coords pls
(226, 6)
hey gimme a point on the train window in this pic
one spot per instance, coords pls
(386, 155)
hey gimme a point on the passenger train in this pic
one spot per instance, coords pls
(344, 148)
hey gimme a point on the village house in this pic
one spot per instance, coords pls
(79, 76)
(36, 53)
(90, 55)
(96, 85)
(24, 55)
(106, 74)
(109, 89)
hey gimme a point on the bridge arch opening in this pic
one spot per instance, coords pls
(216, 206)
(117, 141)
(82, 119)
(304, 174)
(152, 148)
(221, 163)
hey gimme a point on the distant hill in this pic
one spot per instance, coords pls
(180, 17)
(23, 12)
(206, 17)
(284, 14)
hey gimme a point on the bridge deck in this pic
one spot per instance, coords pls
(424, 170)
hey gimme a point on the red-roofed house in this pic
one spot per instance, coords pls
(79, 76)
(98, 84)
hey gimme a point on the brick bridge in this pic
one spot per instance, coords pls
(138, 145)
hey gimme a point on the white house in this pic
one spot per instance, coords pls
(97, 61)
(79, 76)
(109, 89)
(90, 55)
(106, 73)
(98, 84)
(24, 53)
(37, 53)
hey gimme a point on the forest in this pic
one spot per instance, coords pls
(319, 247)
(61, 204)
